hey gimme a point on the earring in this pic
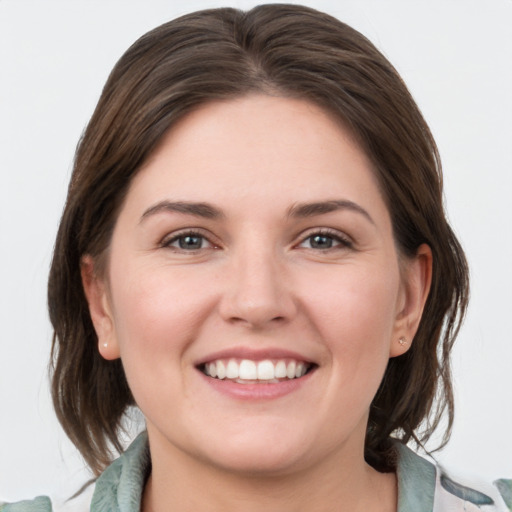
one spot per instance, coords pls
(402, 341)
(105, 345)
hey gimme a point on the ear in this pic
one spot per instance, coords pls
(416, 280)
(96, 292)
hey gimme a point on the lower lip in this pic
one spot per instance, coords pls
(263, 391)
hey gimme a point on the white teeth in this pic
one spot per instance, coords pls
(266, 370)
(290, 370)
(221, 370)
(248, 370)
(280, 370)
(232, 370)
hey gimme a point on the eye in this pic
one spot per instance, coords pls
(188, 241)
(325, 240)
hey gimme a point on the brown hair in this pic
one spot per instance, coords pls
(284, 50)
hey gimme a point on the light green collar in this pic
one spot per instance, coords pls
(416, 481)
(119, 488)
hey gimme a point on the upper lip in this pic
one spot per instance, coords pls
(252, 354)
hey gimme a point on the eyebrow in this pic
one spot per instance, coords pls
(323, 207)
(208, 211)
(204, 210)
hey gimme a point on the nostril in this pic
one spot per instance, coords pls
(257, 321)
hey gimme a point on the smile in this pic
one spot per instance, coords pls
(247, 371)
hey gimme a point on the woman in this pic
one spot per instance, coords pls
(254, 252)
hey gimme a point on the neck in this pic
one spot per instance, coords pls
(334, 484)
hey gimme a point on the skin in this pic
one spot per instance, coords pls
(257, 278)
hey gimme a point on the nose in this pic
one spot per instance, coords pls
(257, 291)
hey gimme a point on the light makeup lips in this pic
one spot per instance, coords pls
(252, 369)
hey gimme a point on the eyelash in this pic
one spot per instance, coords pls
(168, 242)
(342, 242)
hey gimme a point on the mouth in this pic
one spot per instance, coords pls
(248, 371)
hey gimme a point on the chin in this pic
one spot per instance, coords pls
(271, 451)
(257, 462)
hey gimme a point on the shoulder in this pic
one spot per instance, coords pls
(426, 486)
(118, 488)
(40, 504)
(79, 503)
(454, 493)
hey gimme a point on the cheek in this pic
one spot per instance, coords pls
(156, 310)
(157, 316)
(355, 310)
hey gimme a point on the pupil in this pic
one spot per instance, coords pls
(190, 242)
(321, 242)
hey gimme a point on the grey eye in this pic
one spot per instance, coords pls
(325, 241)
(321, 242)
(190, 242)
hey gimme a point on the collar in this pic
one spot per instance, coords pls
(119, 488)
(416, 481)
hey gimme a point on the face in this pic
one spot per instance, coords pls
(253, 290)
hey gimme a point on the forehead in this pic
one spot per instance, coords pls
(258, 148)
